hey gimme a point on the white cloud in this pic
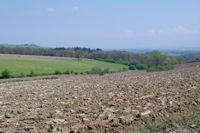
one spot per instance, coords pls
(50, 9)
(174, 30)
(75, 9)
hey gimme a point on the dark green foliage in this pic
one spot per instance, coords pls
(87, 72)
(132, 67)
(71, 72)
(106, 60)
(67, 72)
(21, 75)
(156, 58)
(57, 72)
(5, 74)
(141, 66)
(76, 73)
(160, 68)
(124, 62)
(31, 74)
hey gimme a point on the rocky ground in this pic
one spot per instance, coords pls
(92, 103)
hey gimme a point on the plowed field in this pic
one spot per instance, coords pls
(93, 103)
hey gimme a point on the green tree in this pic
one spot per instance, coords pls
(156, 58)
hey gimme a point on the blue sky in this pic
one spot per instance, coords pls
(108, 24)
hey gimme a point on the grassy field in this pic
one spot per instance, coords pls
(49, 67)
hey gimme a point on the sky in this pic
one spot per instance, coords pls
(106, 24)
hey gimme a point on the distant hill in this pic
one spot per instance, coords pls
(21, 46)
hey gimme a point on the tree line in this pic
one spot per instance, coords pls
(154, 59)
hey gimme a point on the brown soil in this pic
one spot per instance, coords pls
(31, 57)
(92, 103)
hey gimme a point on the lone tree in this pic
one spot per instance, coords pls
(156, 58)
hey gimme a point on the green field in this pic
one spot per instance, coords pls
(16, 67)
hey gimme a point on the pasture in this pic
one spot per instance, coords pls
(46, 67)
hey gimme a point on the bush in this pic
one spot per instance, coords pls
(76, 73)
(160, 68)
(106, 70)
(141, 66)
(169, 67)
(31, 74)
(87, 72)
(57, 72)
(71, 72)
(96, 70)
(21, 75)
(124, 69)
(6, 74)
(101, 73)
(151, 69)
(132, 67)
(66, 72)
(124, 62)
(106, 60)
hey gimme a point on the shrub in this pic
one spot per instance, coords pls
(124, 69)
(96, 70)
(31, 74)
(132, 67)
(124, 62)
(106, 70)
(151, 69)
(21, 75)
(76, 73)
(67, 72)
(101, 73)
(106, 60)
(169, 67)
(87, 72)
(71, 72)
(6, 74)
(141, 66)
(57, 72)
(160, 68)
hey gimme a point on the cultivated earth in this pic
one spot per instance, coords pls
(32, 57)
(93, 103)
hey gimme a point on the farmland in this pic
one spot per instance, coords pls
(42, 65)
(117, 102)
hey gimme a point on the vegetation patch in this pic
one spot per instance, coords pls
(190, 122)
(160, 68)
(30, 68)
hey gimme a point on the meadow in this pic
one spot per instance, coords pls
(42, 67)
